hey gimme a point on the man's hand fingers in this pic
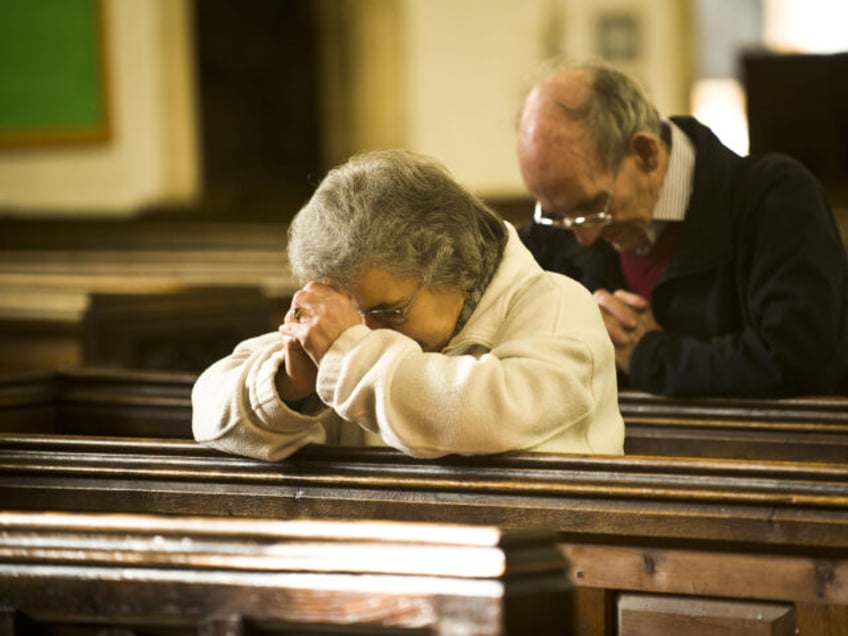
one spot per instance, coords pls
(616, 308)
(617, 333)
(634, 301)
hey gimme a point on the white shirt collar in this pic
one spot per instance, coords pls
(677, 184)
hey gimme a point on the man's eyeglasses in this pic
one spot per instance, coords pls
(576, 219)
(394, 317)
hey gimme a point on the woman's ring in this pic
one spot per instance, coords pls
(298, 313)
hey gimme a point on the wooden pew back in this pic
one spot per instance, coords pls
(642, 498)
(113, 402)
(639, 532)
(791, 429)
(91, 401)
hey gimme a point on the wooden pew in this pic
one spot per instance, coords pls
(792, 429)
(137, 293)
(182, 330)
(167, 328)
(717, 542)
(90, 401)
(170, 474)
(561, 491)
(162, 575)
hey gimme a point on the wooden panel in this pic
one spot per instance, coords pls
(808, 579)
(28, 402)
(644, 615)
(593, 611)
(185, 330)
(39, 345)
(822, 620)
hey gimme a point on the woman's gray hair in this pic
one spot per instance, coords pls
(616, 109)
(401, 212)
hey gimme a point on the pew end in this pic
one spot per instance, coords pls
(176, 574)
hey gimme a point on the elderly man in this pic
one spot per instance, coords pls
(716, 274)
(424, 324)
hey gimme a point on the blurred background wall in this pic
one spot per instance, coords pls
(153, 151)
(233, 108)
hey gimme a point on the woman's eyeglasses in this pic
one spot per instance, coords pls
(394, 317)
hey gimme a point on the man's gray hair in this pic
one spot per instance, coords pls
(401, 212)
(617, 108)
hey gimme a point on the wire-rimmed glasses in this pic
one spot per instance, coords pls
(393, 317)
(576, 219)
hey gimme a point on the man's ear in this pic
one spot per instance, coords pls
(645, 147)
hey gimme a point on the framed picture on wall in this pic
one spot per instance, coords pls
(53, 80)
(619, 36)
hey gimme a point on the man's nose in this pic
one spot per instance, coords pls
(586, 236)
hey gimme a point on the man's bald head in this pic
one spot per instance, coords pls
(592, 103)
(586, 132)
(550, 118)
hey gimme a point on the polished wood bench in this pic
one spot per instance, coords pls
(93, 401)
(734, 539)
(211, 575)
(572, 493)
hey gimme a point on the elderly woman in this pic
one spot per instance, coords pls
(423, 324)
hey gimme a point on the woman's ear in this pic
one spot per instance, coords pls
(646, 149)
